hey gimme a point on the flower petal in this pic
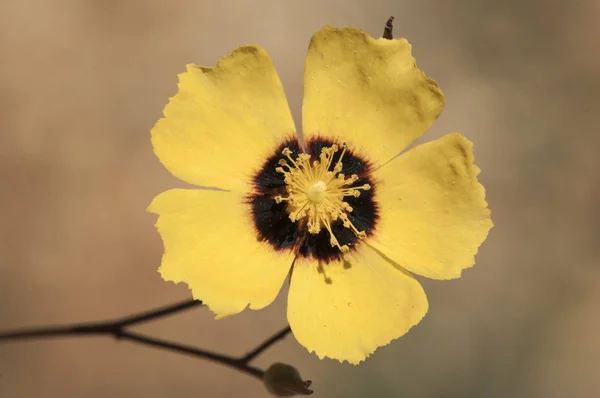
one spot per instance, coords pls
(211, 245)
(367, 92)
(433, 213)
(346, 309)
(224, 121)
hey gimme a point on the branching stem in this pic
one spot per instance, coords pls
(118, 328)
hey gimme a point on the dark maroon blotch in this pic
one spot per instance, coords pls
(271, 220)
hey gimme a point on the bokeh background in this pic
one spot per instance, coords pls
(83, 81)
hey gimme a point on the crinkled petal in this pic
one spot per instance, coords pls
(433, 213)
(211, 245)
(224, 121)
(367, 92)
(346, 309)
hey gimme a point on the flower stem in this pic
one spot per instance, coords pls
(118, 329)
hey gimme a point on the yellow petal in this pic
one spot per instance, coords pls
(433, 213)
(367, 92)
(211, 245)
(346, 309)
(224, 121)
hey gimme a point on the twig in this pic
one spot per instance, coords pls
(106, 327)
(388, 31)
(269, 342)
(118, 329)
(225, 360)
(159, 312)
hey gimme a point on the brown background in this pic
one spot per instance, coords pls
(83, 81)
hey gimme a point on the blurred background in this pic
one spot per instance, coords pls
(83, 81)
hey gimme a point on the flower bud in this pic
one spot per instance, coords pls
(284, 381)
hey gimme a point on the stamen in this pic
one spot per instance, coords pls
(316, 191)
(338, 165)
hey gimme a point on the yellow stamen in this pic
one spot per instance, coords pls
(316, 191)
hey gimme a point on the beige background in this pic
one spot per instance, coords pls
(83, 81)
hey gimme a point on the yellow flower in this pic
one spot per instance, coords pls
(341, 215)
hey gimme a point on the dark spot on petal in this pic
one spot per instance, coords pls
(453, 169)
(269, 182)
(273, 224)
(271, 220)
(347, 265)
(321, 270)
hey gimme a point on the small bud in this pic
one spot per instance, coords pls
(284, 381)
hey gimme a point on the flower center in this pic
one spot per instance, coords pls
(316, 191)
